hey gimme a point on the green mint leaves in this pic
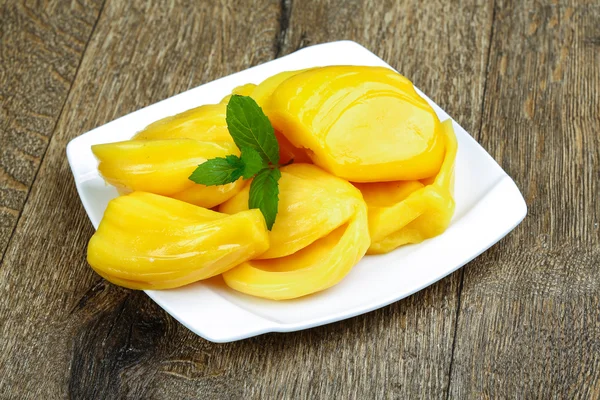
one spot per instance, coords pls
(250, 128)
(252, 162)
(264, 194)
(253, 134)
(219, 171)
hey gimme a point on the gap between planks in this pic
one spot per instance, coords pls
(462, 270)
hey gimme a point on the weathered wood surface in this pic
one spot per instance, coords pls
(529, 322)
(524, 322)
(41, 46)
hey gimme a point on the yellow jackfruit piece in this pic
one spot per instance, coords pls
(312, 203)
(412, 211)
(364, 124)
(146, 241)
(163, 167)
(320, 233)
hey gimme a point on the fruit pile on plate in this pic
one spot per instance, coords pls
(350, 161)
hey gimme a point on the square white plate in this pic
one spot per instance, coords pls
(488, 206)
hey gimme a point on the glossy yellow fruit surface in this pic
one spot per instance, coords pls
(340, 124)
(316, 267)
(312, 203)
(411, 211)
(363, 124)
(146, 241)
(261, 94)
(288, 152)
(320, 233)
(209, 196)
(163, 167)
(244, 90)
(204, 123)
(263, 91)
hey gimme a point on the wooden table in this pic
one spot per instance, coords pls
(520, 321)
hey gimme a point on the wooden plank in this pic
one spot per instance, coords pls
(41, 46)
(409, 355)
(529, 325)
(64, 331)
(89, 339)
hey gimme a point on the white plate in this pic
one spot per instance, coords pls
(488, 206)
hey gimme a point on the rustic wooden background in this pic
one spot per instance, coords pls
(521, 321)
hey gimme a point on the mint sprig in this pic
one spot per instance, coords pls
(250, 128)
(252, 162)
(219, 171)
(253, 134)
(264, 194)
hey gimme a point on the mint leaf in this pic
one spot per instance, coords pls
(253, 134)
(264, 194)
(252, 161)
(250, 128)
(218, 171)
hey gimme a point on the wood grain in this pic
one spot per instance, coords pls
(529, 325)
(41, 46)
(416, 41)
(526, 322)
(442, 48)
(60, 325)
(105, 342)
